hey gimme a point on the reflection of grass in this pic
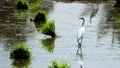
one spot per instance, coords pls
(35, 4)
(113, 23)
(48, 29)
(55, 64)
(21, 52)
(19, 14)
(117, 19)
(48, 44)
(21, 63)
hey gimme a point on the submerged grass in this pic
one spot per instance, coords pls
(48, 29)
(21, 52)
(55, 64)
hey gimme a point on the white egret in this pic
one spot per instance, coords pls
(81, 33)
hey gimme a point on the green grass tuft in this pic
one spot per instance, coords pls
(21, 52)
(48, 29)
(22, 4)
(41, 16)
(55, 64)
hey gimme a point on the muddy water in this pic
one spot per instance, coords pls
(100, 46)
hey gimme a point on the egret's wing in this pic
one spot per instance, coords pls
(80, 34)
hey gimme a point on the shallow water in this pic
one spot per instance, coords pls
(100, 46)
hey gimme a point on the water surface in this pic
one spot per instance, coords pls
(100, 46)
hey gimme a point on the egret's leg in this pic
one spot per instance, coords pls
(81, 66)
(79, 45)
(81, 40)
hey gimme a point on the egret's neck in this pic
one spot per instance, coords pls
(83, 22)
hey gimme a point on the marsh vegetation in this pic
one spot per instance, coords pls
(22, 4)
(21, 52)
(101, 43)
(48, 29)
(41, 16)
(56, 64)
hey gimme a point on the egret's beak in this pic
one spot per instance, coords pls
(80, 18)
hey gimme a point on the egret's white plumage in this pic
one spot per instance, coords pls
(81, 32)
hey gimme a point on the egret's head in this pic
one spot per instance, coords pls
(83, 20)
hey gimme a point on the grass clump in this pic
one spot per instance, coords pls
(48, 29)
(22, 4)
(41, 16)
(21, 52)
(55, 64)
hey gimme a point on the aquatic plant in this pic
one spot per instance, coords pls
(21, 52)
(48, 29)
(41, 16)
(22, 4)
(55, 64)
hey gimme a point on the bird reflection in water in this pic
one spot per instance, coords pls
(79, 56)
